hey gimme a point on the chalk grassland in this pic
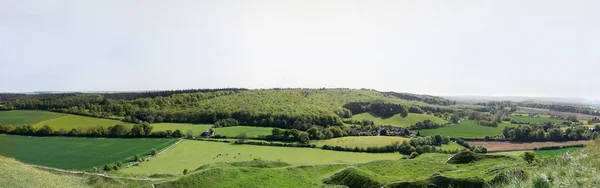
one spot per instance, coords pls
(398, 120)
(76, 153)
(21, 117)
(191, 154)
(16, 174)
(197, 129)
(547, 111)
(360, 141)
(251, 132)
(510, 146)
(467, 129)
(69, 122)
(538, 120)
(370, 174)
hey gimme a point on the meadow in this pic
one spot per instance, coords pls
(537, 120)
(251, 131)
(467, 129)
(360, 141)
(197, 129)
(398, 120)
(69, 122)
(76, 153)
(556, 152)
(191, 154)
(21, 117)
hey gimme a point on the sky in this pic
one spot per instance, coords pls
(540, 48)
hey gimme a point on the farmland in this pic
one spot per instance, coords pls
(555, 152)
(467, 129)
(251, 131)
(69, 122)
(361, 141)
(398, 120)
(547, 111)
(510, 146)
(538, 120)
(184, 127)
(21, 117)
(193, 154)
(76, 153)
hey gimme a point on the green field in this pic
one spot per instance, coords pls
(451, 146)
(191, 154)
(510, 153)
(538, 120)
(360, 141)
(398, 120)
(467, 129)
(76, 153)
(250, 131)
(197, 129)
(555, 152)
(69, 122)
(16, 174)
(21, 117)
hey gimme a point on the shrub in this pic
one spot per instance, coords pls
(137, 158)
(185, 172)
(413, 155)
(528, 156)
(154, 152)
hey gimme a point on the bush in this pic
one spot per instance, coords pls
(154, 152)
(185, 172)
(528, 156)
(137, 158)
(413, 155)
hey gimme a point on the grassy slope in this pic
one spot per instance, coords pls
(250, 131)
(16, 174)
(555, 152)
(20, 117)
(193, 154)
(397, 120)
(360, 141)
(184, 127)
(69, 122)
(467, 129)
(76, 153)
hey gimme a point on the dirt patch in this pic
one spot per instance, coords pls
(514, 146)
(556, 113)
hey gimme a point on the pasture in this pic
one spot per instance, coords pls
(467, 129)
(451, 146)
(197, 129)
(76, 153)
(191, 154)
(251, 131)
(21, 117)
(360, 141)
(556, 152)
(537, 120)
(69, 122)
(398, 120)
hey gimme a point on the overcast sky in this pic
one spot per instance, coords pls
(496, 48)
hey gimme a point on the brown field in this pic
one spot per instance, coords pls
(514, 146)
(547, 111)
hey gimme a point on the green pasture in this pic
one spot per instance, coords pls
(76, 153)
(197, 129)
(360, 141)
(398, 120)
(21, 117)
(251, 131)
(467, 129)
(556, 152)
(191, 154)
(69, 122)
(538, 120)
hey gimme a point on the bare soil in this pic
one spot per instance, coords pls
(494, 146)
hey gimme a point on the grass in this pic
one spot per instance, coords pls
(360, 141)
(451, 146)
(197, 129)
(21, 117)
(467, 129)
(76, 153)
(69, 122)
(16, 174)
(538, 120)
(251, 131)
(398, 120)
(556, 152)
(510, 153)
(191, 154)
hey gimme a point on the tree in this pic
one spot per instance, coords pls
(177, 134)
(185, 171)
(154, 152)
(137, 131)
(189, 134)
(118, 131)
(147, 128)
(314, 133)
(303, 137)
(413, 155)
(242, 137)
(45, 131)
(529, 157)
(438, 139)
(137, 158)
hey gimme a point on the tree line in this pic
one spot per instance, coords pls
(548, 132)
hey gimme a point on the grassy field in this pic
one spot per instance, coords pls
(69, 122)
(192, 154)
(250, 131)
(16, 174)
(555, 152)
(197, 129)
(510, 153)
(467, 129)
(21, 117)
(360, 141)
(398, 120)
(451, 146)
(76, 153)
(538, 120)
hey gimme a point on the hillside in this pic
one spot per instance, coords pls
(16, 174)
